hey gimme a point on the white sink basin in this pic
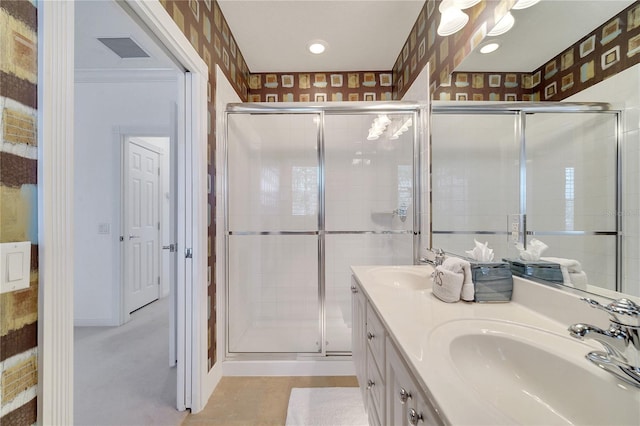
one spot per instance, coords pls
(406, 277)
(529, 376)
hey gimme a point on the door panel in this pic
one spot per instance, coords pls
(142, 218)
(273, 237)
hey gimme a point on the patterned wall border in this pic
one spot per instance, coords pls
(443, 54)
(320, 87)
(609, 49)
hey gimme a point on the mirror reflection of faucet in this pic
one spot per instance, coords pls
(401, 212)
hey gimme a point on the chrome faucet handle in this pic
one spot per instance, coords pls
(622, 311)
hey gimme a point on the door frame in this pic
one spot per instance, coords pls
(126, 140)
(55, 207)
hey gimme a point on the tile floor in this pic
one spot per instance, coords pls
(257, 400)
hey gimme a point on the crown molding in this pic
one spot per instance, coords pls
(128, 75)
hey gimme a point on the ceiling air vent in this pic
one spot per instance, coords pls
(124, 47)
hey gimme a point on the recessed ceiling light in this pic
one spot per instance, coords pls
(489, 47)
(317, 46)
(503, 25)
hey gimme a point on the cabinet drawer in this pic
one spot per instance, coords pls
(375, 336)
(375, 386)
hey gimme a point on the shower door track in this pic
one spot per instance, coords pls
(420, 113)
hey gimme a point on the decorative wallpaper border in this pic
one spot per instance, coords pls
(609, 49)
(321, 87)
(443, 54)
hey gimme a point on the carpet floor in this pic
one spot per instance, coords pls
(122, 375)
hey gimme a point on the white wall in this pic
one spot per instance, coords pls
(103, 112)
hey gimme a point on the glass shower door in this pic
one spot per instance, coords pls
(571, 193)
(273, 235)
(368, 207)
(475, 171)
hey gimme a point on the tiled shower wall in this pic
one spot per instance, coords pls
(18, 207)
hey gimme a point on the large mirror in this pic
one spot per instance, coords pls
(567, 176)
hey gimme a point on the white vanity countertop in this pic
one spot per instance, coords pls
(411, 316)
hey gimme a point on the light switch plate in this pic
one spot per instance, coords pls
(15, 266)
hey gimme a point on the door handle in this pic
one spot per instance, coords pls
(170, 247)
(131, 237)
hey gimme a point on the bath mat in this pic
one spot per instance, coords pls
(326, 407)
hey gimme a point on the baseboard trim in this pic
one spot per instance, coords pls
(94, 322)
(328, 367)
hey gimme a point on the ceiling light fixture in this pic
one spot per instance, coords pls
(503, 25)
(523, 4)
(317, 46)
(452, 19)
(489, 47)
(465, 4)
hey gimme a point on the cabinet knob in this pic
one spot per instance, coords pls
(370, 335)
(414, 417)
(354, 289)
(370, 384)
(404, 395)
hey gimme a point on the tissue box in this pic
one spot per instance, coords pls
(540, 269)
(493, 281)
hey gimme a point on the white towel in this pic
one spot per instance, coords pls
(455, 264)
(578, 279)
(447, 284)
(572, 265)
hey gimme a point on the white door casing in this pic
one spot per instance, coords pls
(142, 236)
(55, 208)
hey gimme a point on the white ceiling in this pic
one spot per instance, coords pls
(363, 35)
(95, 19)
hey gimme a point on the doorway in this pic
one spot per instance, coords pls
(57, 226)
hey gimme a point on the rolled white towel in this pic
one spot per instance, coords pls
(572, 265)
(578, 279)
(447, 284)
(455, 264)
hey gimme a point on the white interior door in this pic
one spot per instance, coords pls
(142, 222)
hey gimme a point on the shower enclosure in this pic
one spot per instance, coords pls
(309, 191)
(514, 172)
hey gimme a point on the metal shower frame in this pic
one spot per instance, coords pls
(420, 111)
(520, 111)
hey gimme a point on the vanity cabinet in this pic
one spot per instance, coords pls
(406, 402)
(390, 393)
(358, 331)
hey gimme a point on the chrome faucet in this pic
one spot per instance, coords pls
(621, 341)
(438, 257)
